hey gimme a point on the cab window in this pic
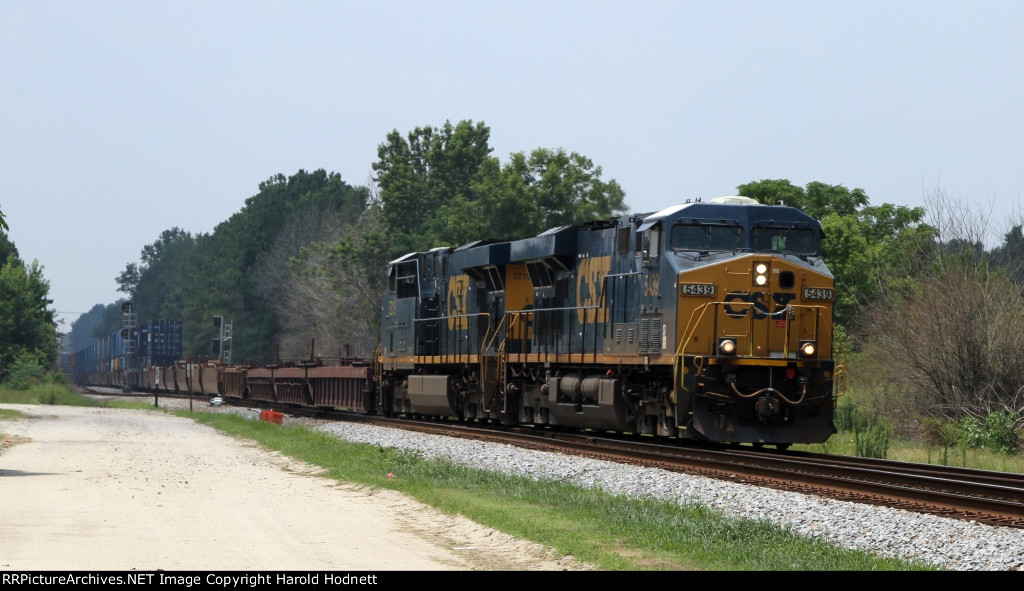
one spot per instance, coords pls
(652, 243)
(407, 284)
(785, 240)
(706, 237)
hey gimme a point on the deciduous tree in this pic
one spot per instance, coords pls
(428, 182)
(28, 328)
(441, 187)
(948, 337)
(865, 247)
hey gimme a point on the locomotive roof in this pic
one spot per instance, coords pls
(741, 209)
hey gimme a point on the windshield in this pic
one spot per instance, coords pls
(785, 240)
(705, 237)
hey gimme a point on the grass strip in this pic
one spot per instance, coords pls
(611, 532)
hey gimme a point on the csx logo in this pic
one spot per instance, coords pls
(589, 284)
(651, 286)
(458, 287)
(778, 301)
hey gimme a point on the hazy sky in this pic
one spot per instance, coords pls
(121, 119)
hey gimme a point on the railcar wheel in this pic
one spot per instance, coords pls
(782, 446)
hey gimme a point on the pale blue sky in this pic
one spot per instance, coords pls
(121, 119)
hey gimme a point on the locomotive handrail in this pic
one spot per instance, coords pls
(547, 348)
(458, 355)
(498, 351)
(839, 371)
(489, 338)
(515, 317)
(561, 309)
(692, 325)
(681, 349)
(378, 366)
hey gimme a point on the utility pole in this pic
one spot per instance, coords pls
(218, 342)
(128, 341)
(222, 343)
(225, 344)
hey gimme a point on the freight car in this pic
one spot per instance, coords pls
(129, 357)
(708, 321)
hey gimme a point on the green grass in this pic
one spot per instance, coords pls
(611, 532)
(46, 393)
(10, 415)
(913, 451)
(877, 402)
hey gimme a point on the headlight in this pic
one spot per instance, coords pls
(760, 274)
(808, 349)
(726, 346)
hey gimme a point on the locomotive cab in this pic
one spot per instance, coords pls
(754, 323)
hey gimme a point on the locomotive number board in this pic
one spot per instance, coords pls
(818, 293)
(697, 289)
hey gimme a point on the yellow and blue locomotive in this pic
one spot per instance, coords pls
(706, 320)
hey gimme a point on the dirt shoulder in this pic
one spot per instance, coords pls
(110, 489)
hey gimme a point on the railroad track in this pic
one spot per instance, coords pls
(993, 498)
(988, 497)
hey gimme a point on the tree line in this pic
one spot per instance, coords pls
(304, 258)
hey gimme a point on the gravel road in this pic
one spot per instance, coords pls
(110, 489)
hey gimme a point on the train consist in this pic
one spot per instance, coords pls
(709, 320)
(118, 359)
